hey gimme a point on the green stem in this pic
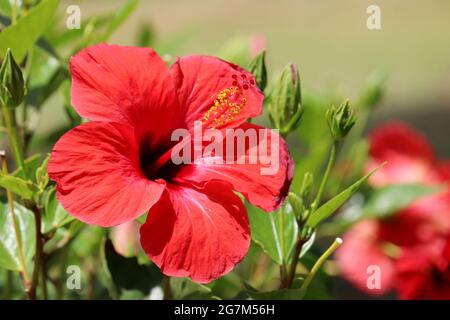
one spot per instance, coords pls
(38, 258)
(283, 267)
(44, 277)
(10, 197)
(14, 12)
(9, 285)
(11, 124)
(25, 134)
(337, 242)
(293, 267)
(167, 289)
(330, 164)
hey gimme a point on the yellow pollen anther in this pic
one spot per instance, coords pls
(228, 104)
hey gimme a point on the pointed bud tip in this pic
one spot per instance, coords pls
(12, 84)
(258, 68)
(340, 120)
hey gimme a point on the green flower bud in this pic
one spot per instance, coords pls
(297, 205)
(12, 85)
(340, 120)
(258, 69)
(285, 108)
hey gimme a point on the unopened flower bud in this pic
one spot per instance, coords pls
(297, 205)
(258, 69)
(285, 109)
(12, 85)
(340, 120)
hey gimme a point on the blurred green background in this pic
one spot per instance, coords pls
(329, 41)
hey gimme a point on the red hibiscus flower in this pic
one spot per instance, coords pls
(116, 167)
(420, 227)
(424, 274)
(409, 156)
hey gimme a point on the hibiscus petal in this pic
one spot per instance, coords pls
(202, 82)
(202, 234)
(397, 137)
(96, 168)
(409, 156)
(126, 85)
(263, 184)
(414, 275)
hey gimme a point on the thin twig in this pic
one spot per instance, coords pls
(336, 244)
(39, 252)
(167, 289)
(16, 226)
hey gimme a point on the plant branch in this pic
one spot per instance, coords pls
(326, 175)
(14, 12)
(167, 288)
(39, 252)
(283, 268)
(336, 244)
(10, 197)
(293, 267)
(44, 276)
(11, 125)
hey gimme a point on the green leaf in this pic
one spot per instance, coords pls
(39, 94)
(5, 7)
(74, 117)
(308, 244)
(120, 18)
(387, 200)
(31, 165)
(54, 215)
(22, 36)
(25, 189)
(8, 244)
(275, 232)
(41, 43)
(59, 37)
(128, 274)
(227, 287)
(332, 205)
(282, 294)
(145, 36)
(186, 289)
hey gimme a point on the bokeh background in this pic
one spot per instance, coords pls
(329, 41)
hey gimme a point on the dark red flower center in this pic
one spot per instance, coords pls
(157, 164)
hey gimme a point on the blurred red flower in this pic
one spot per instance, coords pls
(424, 273)
(416, 232)
(115, 168)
